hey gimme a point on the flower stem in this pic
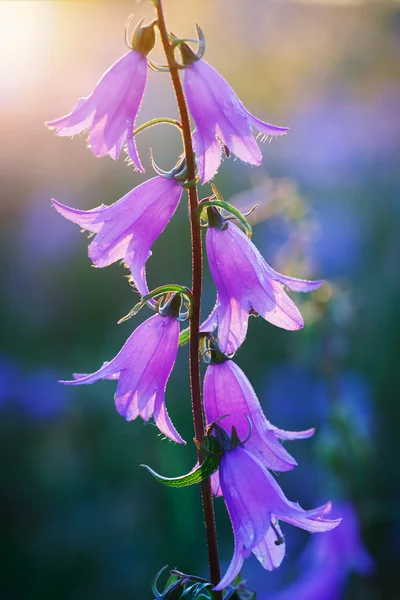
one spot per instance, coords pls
(197, 405)
(157, 121)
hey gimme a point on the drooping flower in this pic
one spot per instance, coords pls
(255, 504)
(110, 110)
(142, 368)
(328, 561)
(128, 228)
(247, 284)
(228, 393)
(220, 117)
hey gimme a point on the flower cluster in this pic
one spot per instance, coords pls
(245, 283)
(254, 500)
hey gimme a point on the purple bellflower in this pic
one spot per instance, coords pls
(229, 394)
(220, 117)
(111, 109)
(128, 228)
(142, 368)
(246, 284)
(255, 503)
(327, 562)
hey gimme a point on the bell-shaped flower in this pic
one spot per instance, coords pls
(228, 393)
(246, 284)
(255, 504)
(142, 367)
(110, 110)
(220, 117)
(128, 228)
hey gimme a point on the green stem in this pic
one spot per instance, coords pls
(157, 121)
(197, 404)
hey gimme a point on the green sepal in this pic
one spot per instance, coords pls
(235, 440)
(209, 465)
(188, 56)
(159, 291)
(228, 207)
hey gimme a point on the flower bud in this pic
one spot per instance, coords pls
(144, 38)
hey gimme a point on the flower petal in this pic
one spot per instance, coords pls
(268, 552)
(208, 153)
(211, 323)
(79, 119)
(232, 325)
(215, 484)
(245, 282)
(234, 567)
(133, 153)
(243, 488)
(91, 220)
(312, 524)
(228, 393)
(218, 113)
(162, 420)
(128, 228)
(292, 435)
(265, 128)
(275, 306)
(294, 284)
(142, 367)
(110, 111)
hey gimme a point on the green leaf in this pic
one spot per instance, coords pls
(184, 336)
(207, 467)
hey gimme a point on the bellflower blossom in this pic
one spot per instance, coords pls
(227, 392)
(110, 110)
(247, 284)
(142, 368)
(255, 503)
(220, 116)
(128, 228)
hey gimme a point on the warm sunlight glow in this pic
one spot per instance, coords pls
(26, 37)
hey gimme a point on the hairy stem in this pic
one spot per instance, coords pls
(197, 404)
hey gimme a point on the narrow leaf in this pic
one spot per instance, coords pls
(207, 467)
(184, 336)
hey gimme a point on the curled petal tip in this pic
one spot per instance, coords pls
(67, 381)
(326, 508)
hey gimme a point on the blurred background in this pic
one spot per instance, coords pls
(81, 519)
